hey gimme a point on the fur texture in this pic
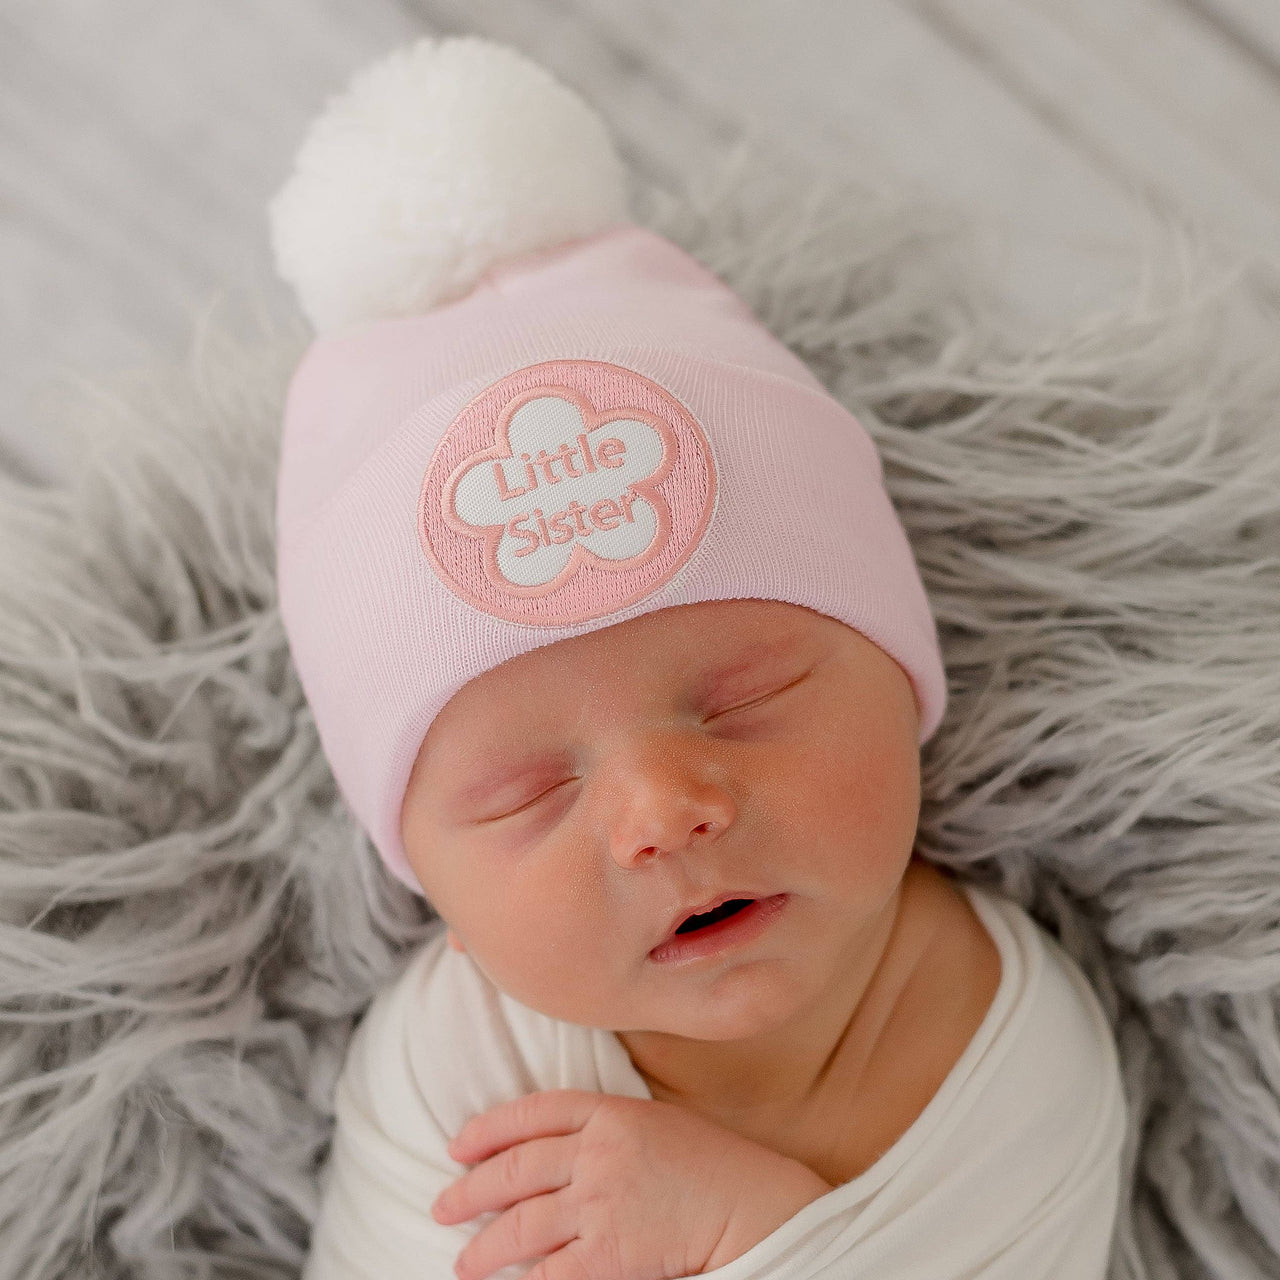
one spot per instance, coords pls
(190, 922)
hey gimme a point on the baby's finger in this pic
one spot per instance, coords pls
(530, 1230)
(527, 1169)
(532, 1115)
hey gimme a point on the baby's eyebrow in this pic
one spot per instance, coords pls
(721, 678)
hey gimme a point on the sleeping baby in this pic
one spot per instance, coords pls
(620, 656)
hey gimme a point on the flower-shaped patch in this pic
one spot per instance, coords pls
(565, 491)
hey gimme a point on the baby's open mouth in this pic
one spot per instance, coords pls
(736, 922)
(722, 912)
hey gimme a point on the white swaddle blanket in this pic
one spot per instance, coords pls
(1010, 1173)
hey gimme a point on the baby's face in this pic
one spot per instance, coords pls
(566, 804)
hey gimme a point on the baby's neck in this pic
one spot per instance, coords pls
(773, 1078)
(939, 974)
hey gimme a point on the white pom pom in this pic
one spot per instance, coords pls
(434, 164)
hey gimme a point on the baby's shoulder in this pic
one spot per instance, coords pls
(1050, 1065)
(441, 1041)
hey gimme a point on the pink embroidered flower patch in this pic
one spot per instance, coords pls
(565, 491)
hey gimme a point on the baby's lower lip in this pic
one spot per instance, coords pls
(735, 931)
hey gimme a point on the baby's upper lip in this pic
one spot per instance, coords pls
(699, 909)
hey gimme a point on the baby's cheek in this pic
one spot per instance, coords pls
(866, 800)
(536, 943)
(881, 793)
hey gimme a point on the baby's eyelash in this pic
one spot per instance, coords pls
(764, 697)
(540, 796)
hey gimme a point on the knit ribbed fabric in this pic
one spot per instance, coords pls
(593, 433)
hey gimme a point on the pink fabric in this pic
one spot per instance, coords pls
(593, 433)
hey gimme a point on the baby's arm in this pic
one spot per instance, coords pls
(693, 1189)
(615, 1188)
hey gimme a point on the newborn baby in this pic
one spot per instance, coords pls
(572, 807)
(566, 812)
(621, 657)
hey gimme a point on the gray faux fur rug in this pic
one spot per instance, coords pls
(190, 922)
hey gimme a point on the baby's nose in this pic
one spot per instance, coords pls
(666, 803)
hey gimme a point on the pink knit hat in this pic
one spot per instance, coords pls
(542, 421)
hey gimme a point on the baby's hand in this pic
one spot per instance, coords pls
(604, 1187)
